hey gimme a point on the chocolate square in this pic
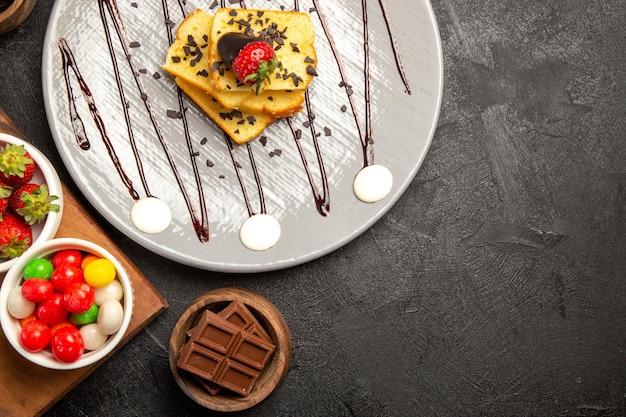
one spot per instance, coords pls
(215, 334)
(252, 350)
(237, 377)
(200, 361)
(238, 314)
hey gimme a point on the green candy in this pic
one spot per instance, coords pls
(38, 268)
(85, 317)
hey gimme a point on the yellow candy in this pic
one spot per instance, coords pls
(99, 272)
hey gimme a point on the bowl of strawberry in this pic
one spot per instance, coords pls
(31, 199)
(66, 303)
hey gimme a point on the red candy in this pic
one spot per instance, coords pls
(52, 311)
(67, 256)
(65, 275)
(35, 335)
(67, 344)
(37, 290)
(78, 297)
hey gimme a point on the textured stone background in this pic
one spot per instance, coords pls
(495, 286)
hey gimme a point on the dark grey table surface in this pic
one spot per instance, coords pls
(495, 286)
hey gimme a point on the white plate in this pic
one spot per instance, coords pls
(402, 127)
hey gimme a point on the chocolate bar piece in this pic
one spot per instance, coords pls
(238, 314)
(237, 377)
(200, 361)
(252, 350)
(227, 349)
(218, 335)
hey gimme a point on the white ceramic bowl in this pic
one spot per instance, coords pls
(13, 278)
(45, 173)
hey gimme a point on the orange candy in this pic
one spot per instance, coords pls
(87, 260)
(56, 327)
(27, 319)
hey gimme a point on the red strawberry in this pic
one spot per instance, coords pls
(5, 193)
(32, 202)
(16, 165)
(15, 236)
(252, 60)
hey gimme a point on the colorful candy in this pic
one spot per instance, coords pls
(38, 268)
(110, 317)
(64, 275)
(92, 336)
(78, 297)
(37, 290)
(18, 306)
(88, 316)
(87, 260)
(67, 344)
(67, 256)
(35, 335)
(99, 273)
(112, 291)
(51, 311)
(70, 303)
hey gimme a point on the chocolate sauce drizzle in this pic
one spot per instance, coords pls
(368, 81)
(116, 18)
(322, 199)
(365, 134)
(200, 225)
(394, 48)
(242, 184)
(203, 232)
(69, 63)
(368, 151)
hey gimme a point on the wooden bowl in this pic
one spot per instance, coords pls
(272, 375)
(15, 14)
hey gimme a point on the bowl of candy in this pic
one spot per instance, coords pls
(66, 303)
(31, 199)
(230, 349)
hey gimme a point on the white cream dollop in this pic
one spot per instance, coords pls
(372, 183)
(260, 232)
(151, 215)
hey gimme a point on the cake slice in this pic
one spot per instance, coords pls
(239, 125)
(187, 59)
(290, 33)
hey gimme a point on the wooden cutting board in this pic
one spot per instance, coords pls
(30, 390)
